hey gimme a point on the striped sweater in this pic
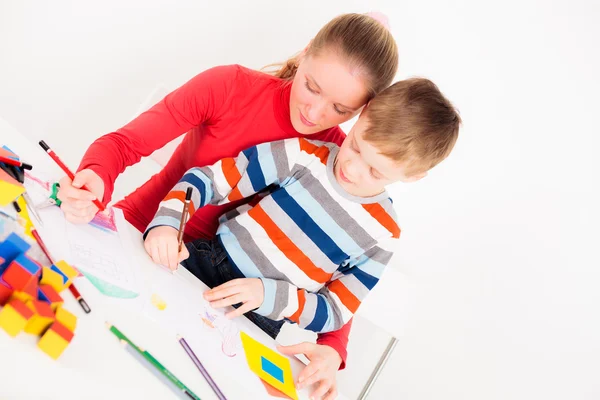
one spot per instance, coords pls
(317, 249)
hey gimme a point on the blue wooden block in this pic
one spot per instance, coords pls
(42, 296)
(271, 369)
(10, 249)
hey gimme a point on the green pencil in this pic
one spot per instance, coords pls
(153, 361)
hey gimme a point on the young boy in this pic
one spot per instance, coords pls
(309, 250)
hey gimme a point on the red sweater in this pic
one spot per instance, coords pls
(225, 110)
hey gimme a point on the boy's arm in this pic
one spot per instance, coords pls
(337, 340)
(331, 307)
(227, 180)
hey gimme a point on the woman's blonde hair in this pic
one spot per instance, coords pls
(361, 41)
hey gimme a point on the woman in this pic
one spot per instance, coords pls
(229, 108)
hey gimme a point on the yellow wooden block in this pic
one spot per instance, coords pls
(52, 278)
(55, 340)
(10, 189)
(42, 318)
(19, 295)
(66, 318)
(67, 271)
(14, 317)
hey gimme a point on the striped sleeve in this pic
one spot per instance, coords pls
(229, 179)
(331, 307)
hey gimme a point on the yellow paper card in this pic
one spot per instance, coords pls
(270, 366)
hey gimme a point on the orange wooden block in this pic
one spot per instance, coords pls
(14, 316)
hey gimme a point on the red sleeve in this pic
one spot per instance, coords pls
(338, 340)
(200, 100)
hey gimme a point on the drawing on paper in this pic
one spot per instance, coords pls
(105, 221)
(231, 344)
(158, 302)
(44, 184)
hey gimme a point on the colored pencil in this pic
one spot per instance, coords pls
(157, 374)
(184, 213)
(67, 171)
(201, 368)
(153, 361)
(16, 163)
(31, 207)
(72, 287)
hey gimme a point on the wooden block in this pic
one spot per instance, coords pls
(14, 316)
(52, 278)
(19, 273)
(55, 340)
(17, 277)
(29, 292)
(66, 318)
(10, 248)
(68, 273)
(42, 317)
(10, 189)
(49, 295)
(20, 295)
(5, 292)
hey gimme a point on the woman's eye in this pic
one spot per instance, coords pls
(309, 88)
(337, 110)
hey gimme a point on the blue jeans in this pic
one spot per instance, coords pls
(209, 262)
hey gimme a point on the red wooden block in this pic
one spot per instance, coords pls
(62, 331)
(42, 308)
(17, 276)
(32, 288)
(49, 295)
(21, 308)
(5, 292)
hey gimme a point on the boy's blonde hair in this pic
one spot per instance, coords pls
(412, 122)
(361, 41)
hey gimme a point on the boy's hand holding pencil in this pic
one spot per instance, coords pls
(165, 244)
(163, 247)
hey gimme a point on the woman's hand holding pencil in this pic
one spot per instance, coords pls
(78, 203)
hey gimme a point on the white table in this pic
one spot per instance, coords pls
(94, 366)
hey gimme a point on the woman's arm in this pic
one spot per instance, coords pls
(197, 101)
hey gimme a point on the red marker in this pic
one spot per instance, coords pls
(67, 171)
(15, 163)
(72, 287)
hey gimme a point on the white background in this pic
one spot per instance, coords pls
(502, 291)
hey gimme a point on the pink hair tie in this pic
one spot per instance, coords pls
(381, 18)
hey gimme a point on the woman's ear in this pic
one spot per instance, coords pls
(305, 50)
